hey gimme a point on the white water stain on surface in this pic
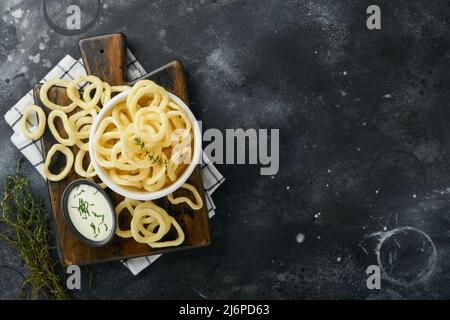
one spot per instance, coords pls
(300, 237)
(332, 19)
(407, 255)
(221, 60)
(35, 59)
(25, 35)
(18, 13)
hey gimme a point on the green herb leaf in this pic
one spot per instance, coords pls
(26, 218)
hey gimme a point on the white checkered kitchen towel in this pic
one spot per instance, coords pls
(69, 68)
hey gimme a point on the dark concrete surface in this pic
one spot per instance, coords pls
(364, 142)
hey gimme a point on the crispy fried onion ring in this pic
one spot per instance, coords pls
(69, 162)
(43, 95)
(198, 198)
(70, 140)
(149, 224)
(37, 133)
(74, 95)
(81, 123)
(79, 169)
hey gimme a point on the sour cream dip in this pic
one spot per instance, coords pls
(88, 211)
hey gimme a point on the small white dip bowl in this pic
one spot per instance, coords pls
(145, 195)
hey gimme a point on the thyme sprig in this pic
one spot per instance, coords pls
(26, 218)
(138, 141)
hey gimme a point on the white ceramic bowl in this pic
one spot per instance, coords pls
(145, 195)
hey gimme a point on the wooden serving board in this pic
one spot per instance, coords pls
(104, 56)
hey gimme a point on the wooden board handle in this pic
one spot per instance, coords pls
(104, 57)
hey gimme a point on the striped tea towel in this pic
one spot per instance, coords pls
(69, 68)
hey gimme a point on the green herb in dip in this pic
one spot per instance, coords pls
(90, 212)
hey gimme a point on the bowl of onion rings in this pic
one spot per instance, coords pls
(145, 142)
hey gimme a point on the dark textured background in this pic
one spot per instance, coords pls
(364, 140)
